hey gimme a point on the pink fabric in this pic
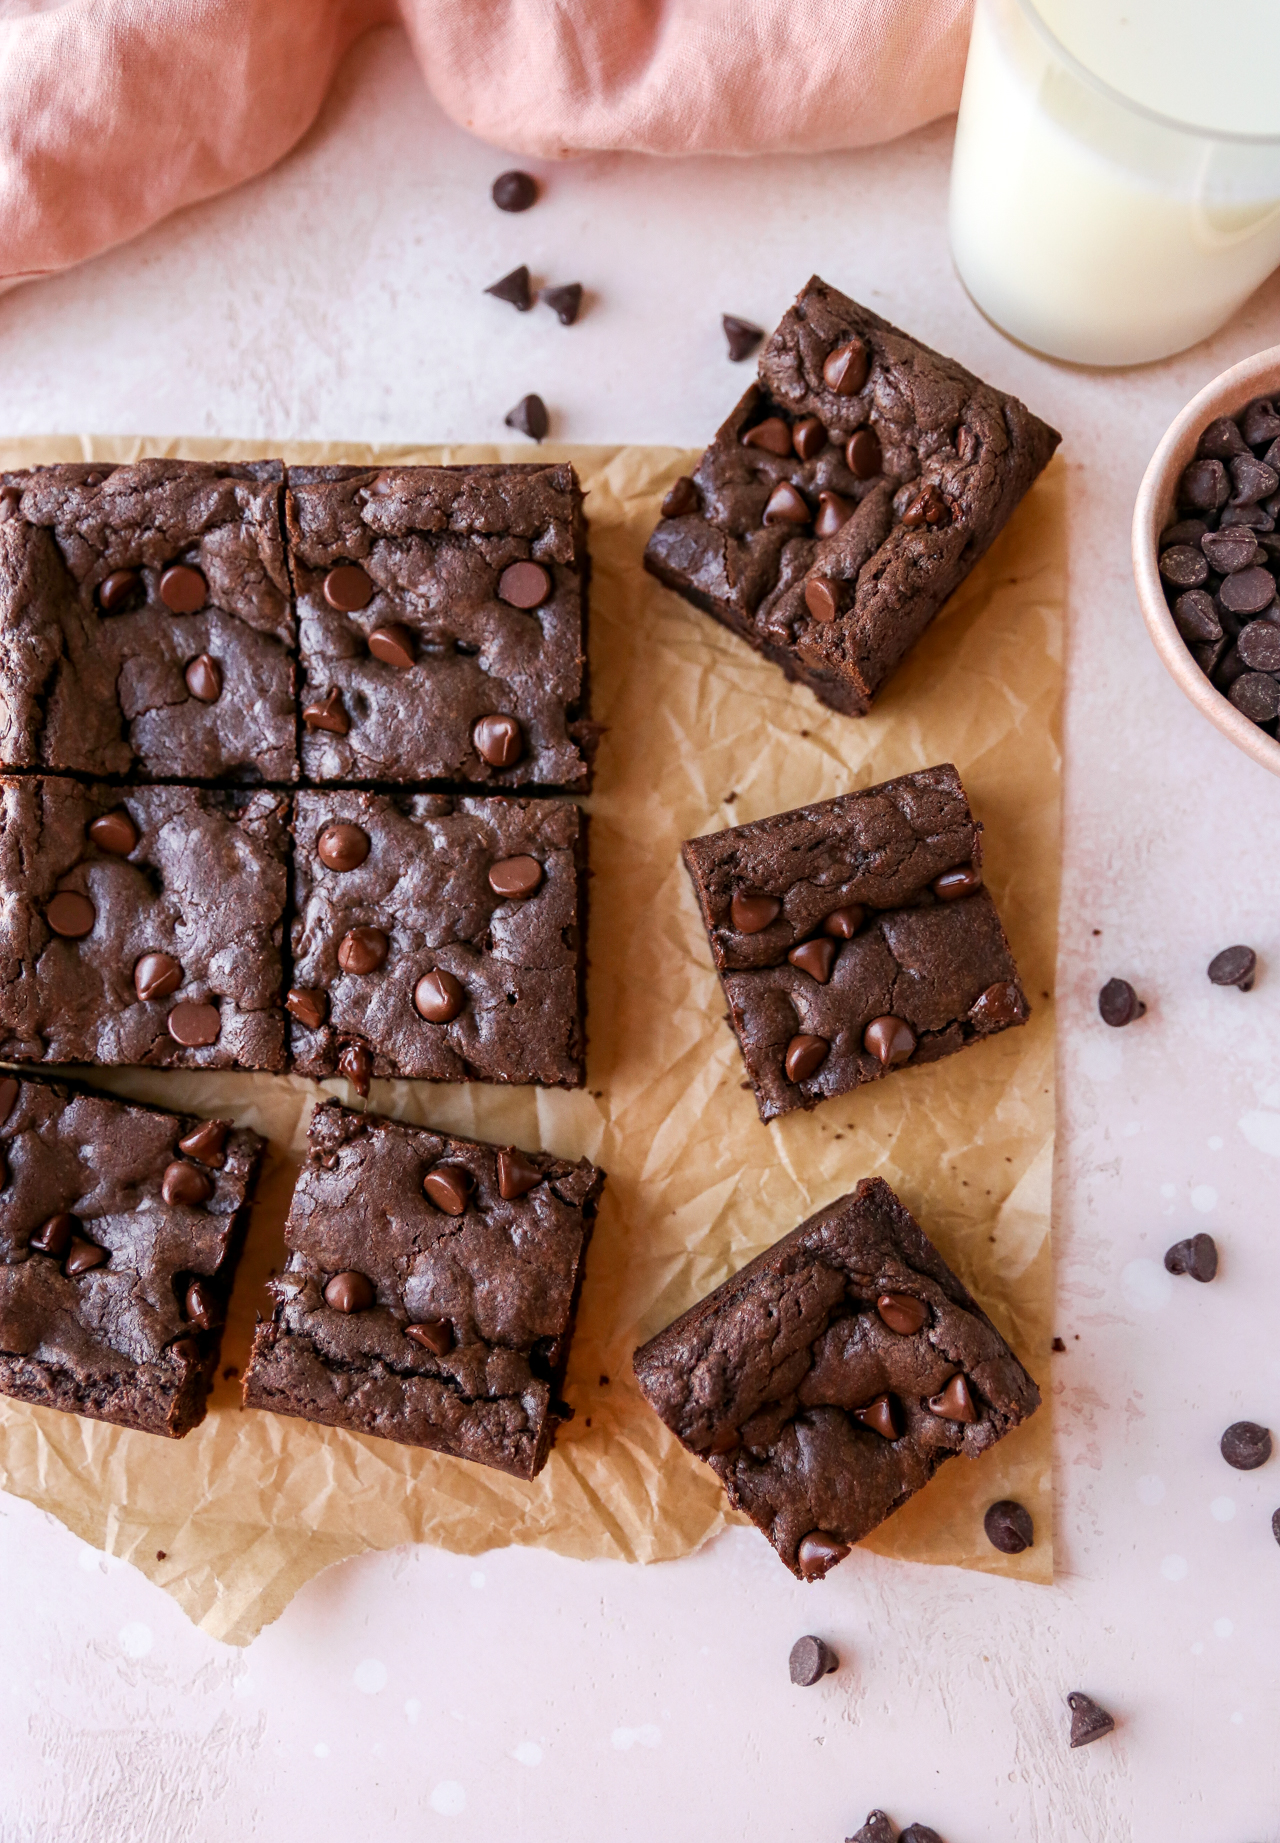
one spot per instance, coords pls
(114, 113)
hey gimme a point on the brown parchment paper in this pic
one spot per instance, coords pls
(235, 1518)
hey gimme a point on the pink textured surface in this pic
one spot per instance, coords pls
(340, 297)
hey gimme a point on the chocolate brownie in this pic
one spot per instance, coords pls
(851, 490)
(442, 614)
(141, 925)
(121, 1229)
(828, 1380)
(855, 936)
(438, 937)
(146, 627)
(430, 1290)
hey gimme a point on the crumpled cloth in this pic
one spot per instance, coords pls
(114, 113)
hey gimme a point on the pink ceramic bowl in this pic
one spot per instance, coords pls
(1258, 376)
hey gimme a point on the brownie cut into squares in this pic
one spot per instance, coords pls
(442, 615)
(146, 622)
(827, 1381)
(849, 493)
(438, 937)
(854, 937)
(121, 1229)
(430, 1291)
(142, 924)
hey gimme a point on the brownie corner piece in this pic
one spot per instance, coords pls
(850, 491)
(430, 1291)
(827, 1381)
(442, 619)
(146, 622)
(854, 937)
(121, 1231)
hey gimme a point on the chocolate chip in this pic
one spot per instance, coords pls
(1119, 1004)
(1220, 440)
(890, 1040)
(204, 678)
(1089, 1722)
(862, 455)
(681, 498)
(71, 915)
(1197, 1256)
(808, 438)
(785, 506)
(1009, 1527)
(356, 1063)
(201, 1305)
(342, 846)
(919, 1833)
(810, 1661)
(448, 1187)
(1184, 568)
(115, 833)
(752, 914)
(524, 585)
(84, 1255)
(54, 1236)
(999, 1005)
(882, 1416)
(10, 500)
(903, 1313)
(1234, 966)
(1185, 531)
(438, 997)
(820, 599)
(363, 950)
(498, 739)
(1229, 668)
(1258, 644)
(1275, 1524)
(742, 336)
(394, 644)
(1256, 695)
(1257, 518)
(953, 884)
(117, 590)
(805, 1055)
(773, 435)
(309, 1006)
(1251, 480)
(194, 1026)
(564, 301)
(725, 1441)
(514, 191)
(1204, 486)
(1246, 1446)
(529, 417)
(513, 288)
(157, 975)
(955, 1403)
(877, 1829)
(1236, 548)
(348, 588)
(515, 878)
(183, 590)
(845, 369)
(8, 1095)
(930, 508)
(350, 1291)
(1259, 423)
(182, 1183)
(1196, 618)
(818, 1552)
(207, 1142)
(834, 512)
(815, 958)
(845, 922)
(1247, 592)
(434, 1334)
(516, 1176)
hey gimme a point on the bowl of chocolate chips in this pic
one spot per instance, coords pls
(1206, 553)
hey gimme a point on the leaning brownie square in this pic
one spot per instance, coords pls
(849, 493)
(438, 937)
(141, 925)
(146, 623)
(828, 1380)
(442, 615)
(430, 1291)
(854, 936)
(121, 1229)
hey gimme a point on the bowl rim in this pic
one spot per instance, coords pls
(1225, 395)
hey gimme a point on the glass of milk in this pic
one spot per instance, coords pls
(1115, 187)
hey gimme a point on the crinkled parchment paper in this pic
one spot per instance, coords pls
(701, 734)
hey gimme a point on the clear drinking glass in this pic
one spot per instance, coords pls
(1092, 226)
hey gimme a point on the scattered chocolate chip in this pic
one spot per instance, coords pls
(71, 915)
(1204, 486)
(183, 590)
(877, 1829)
(1184, 568)
(1248, 592)
(902, 1313)
(348, 588)
(834, 512)
(1256, 695)
(515, 878)
(1198, 1256)
(681, 498)
(516, 1176)
(514, 191)
(818, 1552)
(890, 1039)
(498, 739)
(862, 455)
(350, 1291)
(1235, 548)
(785, 506)
(193, 1025)
(844, 923)
(808, 438)
(204, 678)
(1058, 1345)
(117, 590)
(434, 1334)
(751, 914)
(1196, 618)
(773, 435)
(524, 585)
(1235, 966)
(529, 417)
(845, 369)
(955, 1403)
(882, 1416)
(157, 975)
(394, 644)
(820, 599)
(115, 833)
(743, 338)
(363, 950)
(1275, 1524)
(564, 301)
(342, 846)
(513, 288)
(1119, 1004)
(1008, 1527)
(8, 1095)
(54, 1236)
(1246, 1446)
(328, 714)
(919, 1833)
(356, 1063)
(84, 1255)
(815, 958)
(207, 1142)
(201, 1305)
(1089, 1722)
(448, 1187)
(930, 508)
(805, 1056)
(438, 997)
(810, 1661)
(953, 884)
(1000, 1004)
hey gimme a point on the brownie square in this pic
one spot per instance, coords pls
(438, 937)
(430, 1290)
(141, 925)
(827, 1381)
(854, 936)
(121, 1229)
(851, 490)
(146, 625)
(442, 616)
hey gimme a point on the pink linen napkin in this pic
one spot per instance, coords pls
(114, 113)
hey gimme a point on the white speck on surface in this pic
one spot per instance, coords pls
(1262, 1130)
(1174, 1568)
(370, 1676)
(89, 1559)
(528, 1753)
(477, 1578)
(1146, 1285)
(1169, 1190)
(1197, 1649)
(1238, 1717)
(1222, 1509)
(135, 1639)
(624, 1739)
(1222, 1628)
(1215, 1144)
(413, 1708)
(1150, 1489)
(1101, 1058)
(1204, 1198)
(1133, 1128)
(448, 1798)
(321, 1750)
(243, 1684)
